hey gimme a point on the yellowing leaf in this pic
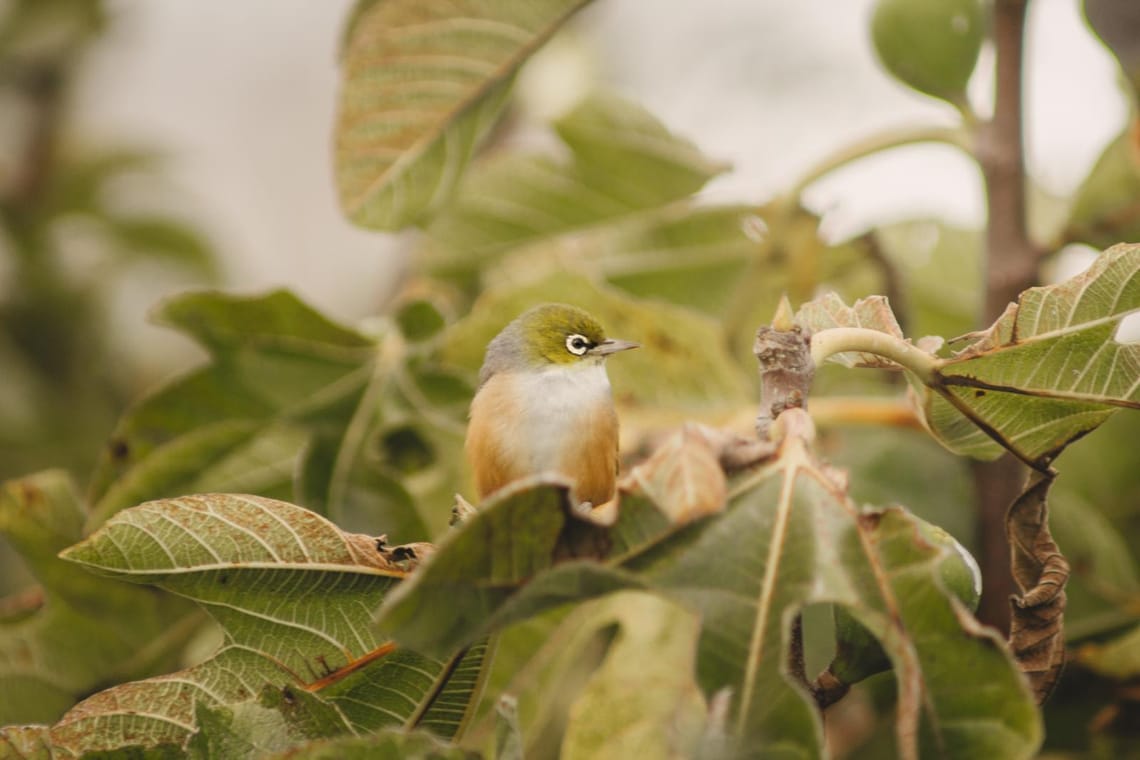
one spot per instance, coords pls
(682, 477)
(422, 84)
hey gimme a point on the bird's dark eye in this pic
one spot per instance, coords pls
(577, 344)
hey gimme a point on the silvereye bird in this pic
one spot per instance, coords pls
(544, 404)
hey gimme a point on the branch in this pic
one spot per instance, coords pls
(1011, 266)
(877, 143)
(838, 340)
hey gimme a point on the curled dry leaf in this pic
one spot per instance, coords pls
(1037, 622)
(406, 557)
(683, 477)
(873, 313)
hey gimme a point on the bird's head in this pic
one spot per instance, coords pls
(550, 335)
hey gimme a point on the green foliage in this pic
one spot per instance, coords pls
(515, 199)
(791, 539)
(292, 594)
(74, 634)
(60, 203)
(423, 83)
(1055, 353)
(680, 619)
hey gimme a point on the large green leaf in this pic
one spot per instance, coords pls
(622, 162)
(504, 544)
(293, 595)
(795, 540)
(76, 632)
(643, 700)
(236, 422)
(1048, 371)
(422, 84)
(789, 538)
(295, 407)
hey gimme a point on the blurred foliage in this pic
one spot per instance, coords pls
(364, 426)
(67, 238)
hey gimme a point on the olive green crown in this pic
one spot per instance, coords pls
(537, 338)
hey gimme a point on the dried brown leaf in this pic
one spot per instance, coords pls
(1037, 626)
(683, 477)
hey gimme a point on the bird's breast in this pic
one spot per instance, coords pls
(558, 420)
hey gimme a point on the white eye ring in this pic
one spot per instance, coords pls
(577, 344)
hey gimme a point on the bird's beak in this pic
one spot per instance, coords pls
(607, 347)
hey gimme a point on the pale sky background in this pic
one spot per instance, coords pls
(241, 96)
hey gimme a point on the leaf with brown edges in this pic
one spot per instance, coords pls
(293, 595)
(1047, 372)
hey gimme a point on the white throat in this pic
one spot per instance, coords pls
(551, 403)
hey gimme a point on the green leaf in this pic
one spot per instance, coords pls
(305, 713)
(1106, 208)
(792, 539)
(618, 141)
(294, 406)
(420, 319)
(159, 238)
(1048, 371)
(1092, 509)
(643, 700)
(941, 269)
(1118, 658)
(280, 719)
(385, 745)
(246, 730)
(684, 255)
(622, 162)
(276, 324)
(508, 541)
(79, 632)
(957, 719)
(293, 595)
(422, 84)
(1104, 567)
(796, 540)
(335, 480)
(279, 368)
